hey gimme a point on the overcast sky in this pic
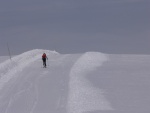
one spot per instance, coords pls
(75, 26)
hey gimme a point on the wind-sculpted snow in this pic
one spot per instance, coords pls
(9, 68)
(83, 96)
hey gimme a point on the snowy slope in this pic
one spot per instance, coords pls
(75, 83)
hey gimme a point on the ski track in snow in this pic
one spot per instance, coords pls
(36, 91)
(9, 68)
(82, 96)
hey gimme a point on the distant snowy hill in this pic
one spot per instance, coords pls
(3, 58)
(91, 82)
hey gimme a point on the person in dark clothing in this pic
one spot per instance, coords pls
(44, 57)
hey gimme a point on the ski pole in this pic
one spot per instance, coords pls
(48, 62)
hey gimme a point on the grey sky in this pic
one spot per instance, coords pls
(74, 26)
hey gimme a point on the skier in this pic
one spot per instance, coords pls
(44, 57)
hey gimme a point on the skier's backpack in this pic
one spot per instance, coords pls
(44, 55)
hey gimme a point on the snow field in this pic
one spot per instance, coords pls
(91, 82)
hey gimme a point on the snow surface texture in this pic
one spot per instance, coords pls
(83, 97)
(75, 83)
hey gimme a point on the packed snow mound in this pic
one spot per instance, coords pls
(9, 68)
(83, 97)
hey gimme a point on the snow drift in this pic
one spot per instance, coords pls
(83, 97)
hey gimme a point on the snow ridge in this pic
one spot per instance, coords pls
(83, 97)
(9, 68)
